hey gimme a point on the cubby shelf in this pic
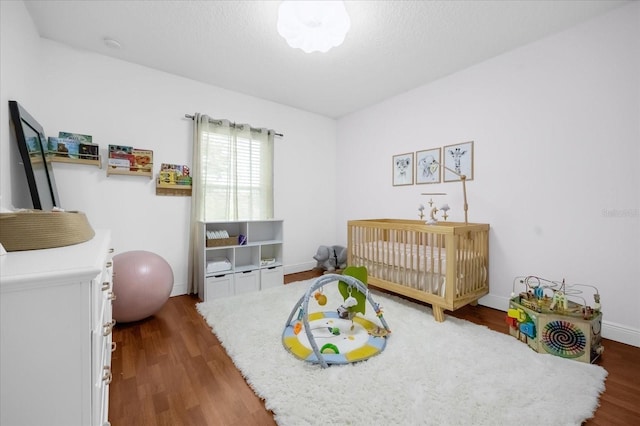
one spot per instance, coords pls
(255, 265)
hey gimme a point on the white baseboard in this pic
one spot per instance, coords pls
(178, 290)
(495, 302)
(621, 333)
(300, 267)
(610, 330)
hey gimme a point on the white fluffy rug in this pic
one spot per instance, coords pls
(451, 373)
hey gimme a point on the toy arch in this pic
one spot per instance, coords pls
(302, 307)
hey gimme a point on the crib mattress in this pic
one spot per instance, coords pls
(412, 256)
(421, 267)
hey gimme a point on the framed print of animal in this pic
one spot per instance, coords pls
(428, 166)
(403, 169)
(458, 157)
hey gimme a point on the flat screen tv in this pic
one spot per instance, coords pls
(32, 144)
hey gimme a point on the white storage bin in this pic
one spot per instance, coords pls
(247, 282)
(271, 277)
(218, 286)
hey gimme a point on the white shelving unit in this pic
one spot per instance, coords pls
(235, 268)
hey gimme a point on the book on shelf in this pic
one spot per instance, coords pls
(119, 163)
(138, 160)
(89, 151)
(80, 138)
(122, 153)
(64, 147)
(174, 174)
(119, 149)
(142, 160)
(178, 169)
(167, 177)
(183, 180)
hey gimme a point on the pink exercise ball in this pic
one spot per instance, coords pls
(142, 283)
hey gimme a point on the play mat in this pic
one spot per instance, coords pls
(339, 336)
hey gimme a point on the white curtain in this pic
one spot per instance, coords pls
(232, 169)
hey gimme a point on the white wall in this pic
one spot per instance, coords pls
(19, 79)
(120, 103)
(556, 128)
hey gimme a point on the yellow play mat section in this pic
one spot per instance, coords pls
(340, 336)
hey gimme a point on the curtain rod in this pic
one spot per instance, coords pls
(233, 124)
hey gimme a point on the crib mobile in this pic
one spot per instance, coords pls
(346, 336)
(553, 317)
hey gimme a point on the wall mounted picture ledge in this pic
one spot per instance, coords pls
(402, 169)
(458, 157)
(427, 166)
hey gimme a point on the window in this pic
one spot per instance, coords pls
(236, 172)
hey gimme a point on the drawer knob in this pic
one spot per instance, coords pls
(107, 328)
(106, 374)
(109, 264)
(112, 296)
(113, 346)
(106, 286)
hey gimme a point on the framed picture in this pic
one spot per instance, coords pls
(428, 166)
(458, 157)
(402, 169)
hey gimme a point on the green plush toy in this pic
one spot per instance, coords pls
(359, 273)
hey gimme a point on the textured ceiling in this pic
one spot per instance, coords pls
(393, 46)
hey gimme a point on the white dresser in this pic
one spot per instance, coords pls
(56, 341)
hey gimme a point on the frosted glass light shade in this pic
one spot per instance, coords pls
(313, 26)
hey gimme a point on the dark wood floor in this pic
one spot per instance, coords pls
(170, 369)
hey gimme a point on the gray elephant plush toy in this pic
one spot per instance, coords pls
(331, 258)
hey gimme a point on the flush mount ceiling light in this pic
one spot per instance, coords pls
(313, 26)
